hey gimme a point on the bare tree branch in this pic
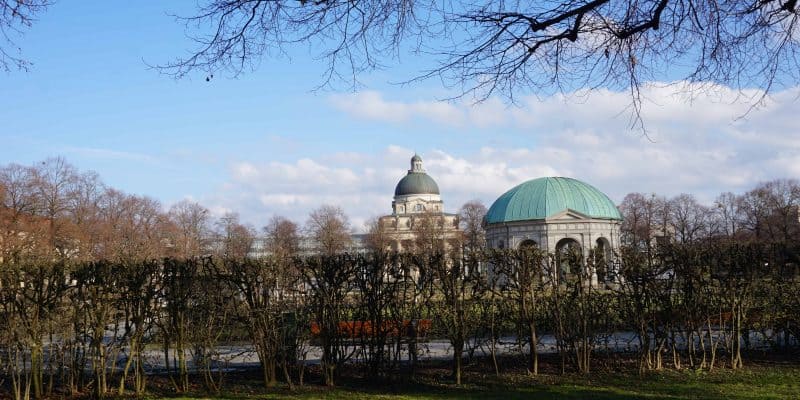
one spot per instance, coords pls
(16, 16)
(505, 48)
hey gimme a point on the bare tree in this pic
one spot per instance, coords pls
(56, 182)
(212, 320)
(782, 201)
(689, 220)
(378, 238)
(139, 288)
(329, 227)
(96, 301)
(234, 239)
(20, 196)
(770, 210)
(133, 228)
(450, 300)
(728, 213)
(645, 220)
(471, 218)
(179, 286)
(86, 216)
(523, 275)
(23, 233)
(636, 223)
(277, 340)
(33, 295)
(328, 280)
(283, 238)
(431, 234)
(191, 228)
(261, 289)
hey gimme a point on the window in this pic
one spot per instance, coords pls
(419, 207)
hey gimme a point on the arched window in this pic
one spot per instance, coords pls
(528, 244)
(602, 258)
(569, 258)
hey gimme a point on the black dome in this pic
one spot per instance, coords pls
(416, 183)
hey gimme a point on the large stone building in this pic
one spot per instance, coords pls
(416, 196)
(558, 214)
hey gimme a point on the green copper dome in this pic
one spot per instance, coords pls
(544, 197)
(416, 183)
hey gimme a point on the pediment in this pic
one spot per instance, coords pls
(567, 215)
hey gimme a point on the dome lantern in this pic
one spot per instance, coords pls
(416, 164)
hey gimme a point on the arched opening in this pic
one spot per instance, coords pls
(602, 260)
(529, 263)
(569, 258)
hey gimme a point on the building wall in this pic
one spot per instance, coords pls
(547, 233)
(417, 203)
(400, 228)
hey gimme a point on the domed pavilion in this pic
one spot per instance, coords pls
(558, 214)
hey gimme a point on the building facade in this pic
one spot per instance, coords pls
(416, 197)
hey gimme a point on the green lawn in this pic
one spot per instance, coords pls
(760, 382)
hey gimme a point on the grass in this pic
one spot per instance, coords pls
(777, 381)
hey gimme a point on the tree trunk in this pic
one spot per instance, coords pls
(287, 376)
(183, 372)
(329, 370)
(36, 370)
(533, 367)
(270, 377)
(139, 374)
(128, 363)
(458, 350)
(493, 344)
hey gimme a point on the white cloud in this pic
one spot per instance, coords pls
(700, 146)
(371, 105)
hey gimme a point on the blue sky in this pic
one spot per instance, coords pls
(267, 143)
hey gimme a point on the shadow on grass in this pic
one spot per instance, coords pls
(771, 383)
(760, 382)
(561, 392)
